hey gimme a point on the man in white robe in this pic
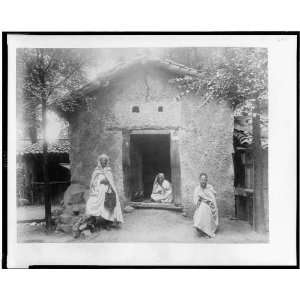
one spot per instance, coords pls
(102, 182)
(206, 215)
(162, 190)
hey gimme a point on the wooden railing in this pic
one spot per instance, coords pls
(56, 191)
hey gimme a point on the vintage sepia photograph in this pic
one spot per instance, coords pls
(142, 145)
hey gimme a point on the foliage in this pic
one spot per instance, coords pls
(235, 75)
(47, 74)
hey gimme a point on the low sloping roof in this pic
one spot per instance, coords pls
(245, 139)
(243, 131)
(103, 80)
(58, 147)
(123, 67)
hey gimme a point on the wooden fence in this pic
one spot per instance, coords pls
(56, 191)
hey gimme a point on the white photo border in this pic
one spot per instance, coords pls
(283, 163)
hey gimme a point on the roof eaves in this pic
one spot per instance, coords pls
(103, 79)
(59, 147)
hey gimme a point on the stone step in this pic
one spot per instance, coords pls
(168, 206)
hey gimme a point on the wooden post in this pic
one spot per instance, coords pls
(45, 167)
(126, 164)
(258, 199)
(175, 167)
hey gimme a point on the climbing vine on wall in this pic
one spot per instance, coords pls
(236, 75)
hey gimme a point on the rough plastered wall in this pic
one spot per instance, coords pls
(205, 132)
(89, 139)
(148, 90)
(206, 146)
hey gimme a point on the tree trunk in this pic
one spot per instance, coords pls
(32, 134)
(31, 119)
(45, 168)
(258, 205)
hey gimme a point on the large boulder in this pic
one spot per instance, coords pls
(75, 193)
(73, 207)
(75, 198)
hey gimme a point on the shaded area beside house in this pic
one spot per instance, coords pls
(30, 175)
(243, 159)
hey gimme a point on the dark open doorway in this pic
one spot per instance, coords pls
(149, 155)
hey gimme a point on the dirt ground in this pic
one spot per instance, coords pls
(149, 225)
(32, 212)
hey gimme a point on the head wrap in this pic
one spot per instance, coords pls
(156, 178)
(105, 156)
(99, 166)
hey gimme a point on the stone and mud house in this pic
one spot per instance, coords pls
(133, 114)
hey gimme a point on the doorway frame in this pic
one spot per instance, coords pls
(174, 160)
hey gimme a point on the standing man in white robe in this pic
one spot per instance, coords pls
(102, 182)
(206, 218)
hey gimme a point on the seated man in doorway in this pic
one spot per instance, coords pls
(162, 190)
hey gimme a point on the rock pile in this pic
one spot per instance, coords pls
(71, 216)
